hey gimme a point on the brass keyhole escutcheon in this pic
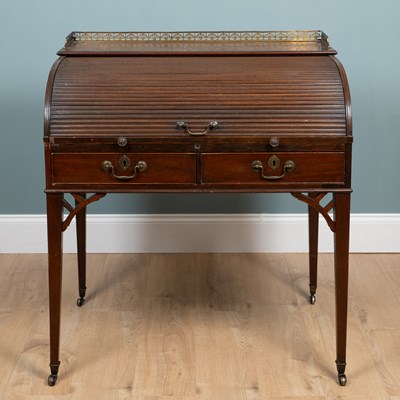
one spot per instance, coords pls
(274, 162)
(124, 162)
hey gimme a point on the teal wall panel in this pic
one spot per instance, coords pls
(363, 32)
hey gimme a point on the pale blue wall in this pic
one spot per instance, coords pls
(364, 32)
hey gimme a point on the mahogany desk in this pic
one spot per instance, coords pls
(198, 112)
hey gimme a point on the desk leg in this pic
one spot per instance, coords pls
(55, 253)
(81, 244)
(313, 219)
(342, 220)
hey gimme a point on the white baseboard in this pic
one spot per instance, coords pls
(182, 233)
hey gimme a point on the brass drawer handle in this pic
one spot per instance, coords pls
(141, 166)
(210, 126)
(257, 165)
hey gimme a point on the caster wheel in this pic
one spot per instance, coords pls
(52, 380)
(342, 379)
(80, 302)
(312, 299)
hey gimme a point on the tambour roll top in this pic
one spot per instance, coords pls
(253, 84)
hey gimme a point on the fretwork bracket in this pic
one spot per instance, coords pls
(81, 203)
(314, 200)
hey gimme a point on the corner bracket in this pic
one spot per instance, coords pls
(314, 200)
(81, 202)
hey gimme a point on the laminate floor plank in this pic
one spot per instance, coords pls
(200, 327)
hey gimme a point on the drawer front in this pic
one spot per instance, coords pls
(130, 168)
(279, 169)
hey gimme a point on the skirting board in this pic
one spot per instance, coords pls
(200, 233)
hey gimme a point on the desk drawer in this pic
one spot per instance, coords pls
(130, 168)
(273, 169)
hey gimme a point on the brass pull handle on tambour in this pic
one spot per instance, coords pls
(210, 126)
(257, 165)
(139, 167)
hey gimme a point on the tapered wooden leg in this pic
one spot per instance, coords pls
(55, 253)
(81, 245)
(313, 216)
(342, 218)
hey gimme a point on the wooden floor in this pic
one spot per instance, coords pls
(200, 326)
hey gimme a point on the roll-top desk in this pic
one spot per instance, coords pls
(198, 112)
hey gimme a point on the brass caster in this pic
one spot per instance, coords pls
(52, 380)
(312, 299)
(80, 302)
(342, 379)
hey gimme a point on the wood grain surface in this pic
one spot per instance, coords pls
(200, 326)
